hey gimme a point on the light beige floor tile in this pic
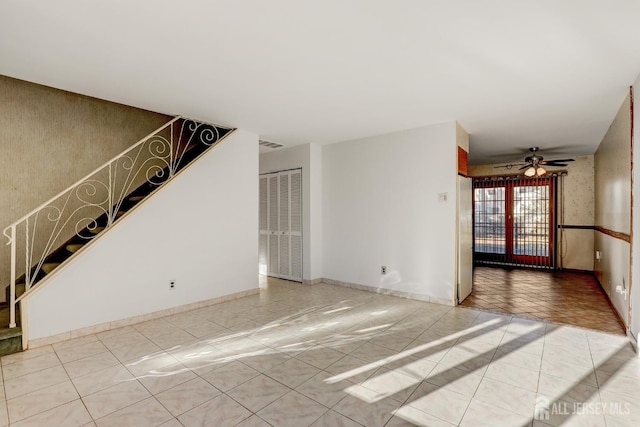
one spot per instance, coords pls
(205, 329)
(258, 392)
(368, 414)
(392, 341)
(352, 369)
(126, 337)
(390, 384)
(171, 423)
(74, 342)
(173, 340)
(320, 356)
(506, 396)
(253, 421)
(187, 396)
(466, 360)
(294, 409)
(29, 366)
(292, 373)
(35, 381)
(334, 419)
(619, 384)
(480, 414)
(569, 371)
(407, 416)
(149, 364)
(109, 400)
(517, 357)
(554, 388)
(454, 379)
(514, 375)
(201, 357)
(323, 391)
(565, 414)
(4, 414)
(85, 366)
(106, 335)
(264, 362)
(166, 377)
(372, 352)
(69, 414)
(28, 354)
(230, 376)
(136, 351)
(100, 380)
(148, 412)
(439, 402)
(221, 411)
(41, 400)
(80, 351)
(554, 352)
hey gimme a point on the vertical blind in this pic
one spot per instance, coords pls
(514, 221)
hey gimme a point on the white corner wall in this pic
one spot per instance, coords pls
(201, 230)
(613, 187)
(309, 158)
(380, 207)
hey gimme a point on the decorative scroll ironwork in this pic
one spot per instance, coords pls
(93, 204)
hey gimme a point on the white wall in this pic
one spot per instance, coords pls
(380, 207)
(309, 158)
(612, 178)
(201, 230)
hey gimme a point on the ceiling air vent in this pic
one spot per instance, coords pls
(269, 144)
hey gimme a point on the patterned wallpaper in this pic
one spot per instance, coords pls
(51, 138)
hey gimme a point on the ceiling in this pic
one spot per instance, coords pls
(514, 74)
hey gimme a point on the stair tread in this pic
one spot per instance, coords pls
(74, 247)
(48, 267)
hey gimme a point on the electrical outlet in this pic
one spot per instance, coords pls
(172, 284)
(383, 269)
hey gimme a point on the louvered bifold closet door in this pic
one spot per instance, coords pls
(280, 246)
(283, 217)
(263, 242)
(274, 236)
(296, 224)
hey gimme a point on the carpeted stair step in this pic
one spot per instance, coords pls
(96, 230)
(73, 248)
(48, 267)
(135, 198)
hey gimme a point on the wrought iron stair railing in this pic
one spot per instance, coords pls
(56, 231)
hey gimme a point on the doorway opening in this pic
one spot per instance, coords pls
(514, 222)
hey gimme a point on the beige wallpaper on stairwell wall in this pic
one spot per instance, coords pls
(50, 139)
(577, 192)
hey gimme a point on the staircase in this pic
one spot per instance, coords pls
(59, 230)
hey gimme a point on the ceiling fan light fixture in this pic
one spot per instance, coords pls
(530, 172)
(540, 171)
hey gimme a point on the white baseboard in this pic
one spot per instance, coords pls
(39, 342)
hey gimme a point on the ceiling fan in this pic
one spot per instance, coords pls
(534, 163)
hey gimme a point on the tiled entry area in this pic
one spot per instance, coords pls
(563, 297)
(324, 355)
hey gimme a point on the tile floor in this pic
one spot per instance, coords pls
(324, 355)
(569, 298)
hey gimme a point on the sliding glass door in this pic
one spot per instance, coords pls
(514, 221)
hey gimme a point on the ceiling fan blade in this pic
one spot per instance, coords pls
(556, 164)
(525, 167)
(561, 160)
